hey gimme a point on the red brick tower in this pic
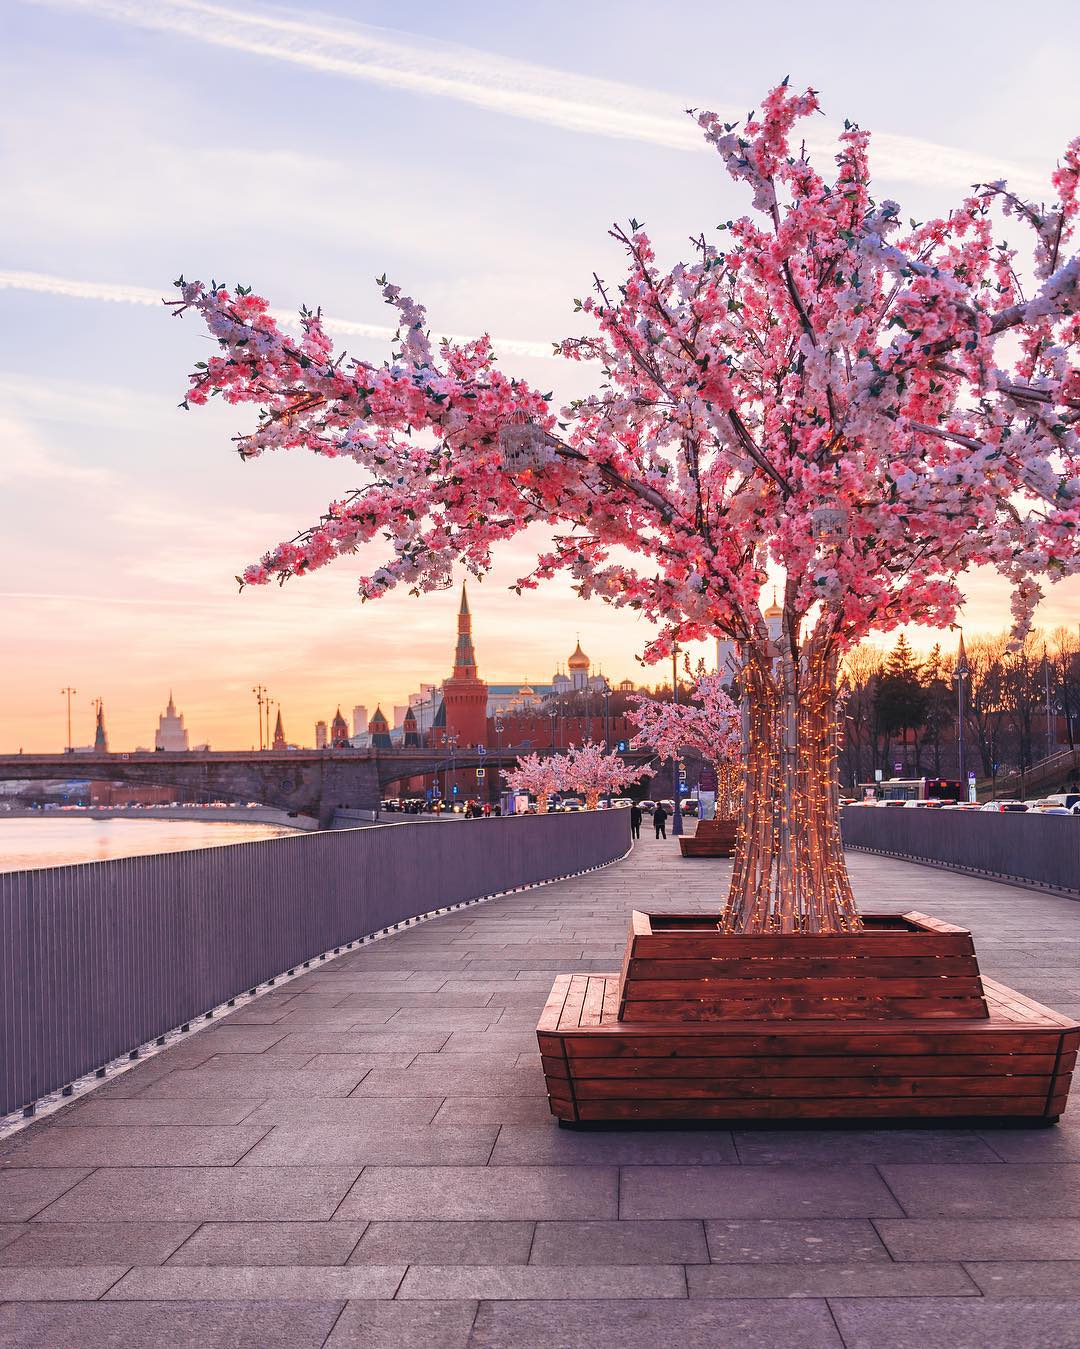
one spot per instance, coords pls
(465, 694)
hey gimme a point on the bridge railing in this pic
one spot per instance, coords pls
(1026, 847)
(99, 959)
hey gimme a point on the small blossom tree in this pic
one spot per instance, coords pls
(712, 726)
(541, 775)
(590, 769)
(825, 396)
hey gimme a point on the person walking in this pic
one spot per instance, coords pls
(659, 819)
(635, 821)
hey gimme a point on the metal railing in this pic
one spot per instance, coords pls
(1024, 847)
(103, 957)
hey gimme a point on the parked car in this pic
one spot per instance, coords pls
(1006, 805)
(690, 806)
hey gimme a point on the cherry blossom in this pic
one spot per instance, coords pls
(590, 769)
(821, 396)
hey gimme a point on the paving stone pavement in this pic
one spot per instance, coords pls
(364, 1157)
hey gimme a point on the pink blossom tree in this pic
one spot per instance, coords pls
(539, 774)
(823, 397)
(712, 726)
(590, 769)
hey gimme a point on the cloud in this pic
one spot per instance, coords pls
(497, 83)
(110, 292)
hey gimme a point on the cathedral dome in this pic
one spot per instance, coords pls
(579, 660)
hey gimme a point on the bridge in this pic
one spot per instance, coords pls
(309, 782)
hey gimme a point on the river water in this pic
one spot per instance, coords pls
(49, 841)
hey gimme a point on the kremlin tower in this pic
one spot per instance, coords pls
(339, 732)
(379, 728)
(279, 733)
(465, 695)
(101, 739)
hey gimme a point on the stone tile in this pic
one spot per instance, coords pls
(398, 998)
(504, 1282)
(373, 1145)
(1053, 1280)
(490, 1042)
(955, 1323)
(1018, 1190)
(203, 1194)
(494, 1110)
(979, 1238)
(403, 1325)
(334, 1018)
(10, 1232)
(854, 1279)
(80, 1283)
(640, 1324)
(282, 1243)
(179, 1325)
(191, 1114)
(622, 1242)
(494, 1060)
(73, 1244)
(831, 1147)
(257, 1282)
(354, 1111)
(271, 1059)
(449, 1081)
(1059, 1144)
(757, 1192)
(23, 1193)
(447, 1018)
(545, 1144)
(795, 1241)
(444, 1243)
(230, 1039)
(452, 1192)
(363, 1042)
(250, 1084)
(133, 1145)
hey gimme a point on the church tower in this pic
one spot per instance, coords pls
(101, 739)
(279, 733)
(465, 694)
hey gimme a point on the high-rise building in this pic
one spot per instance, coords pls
(359, 719)
(465, 694)
(279, 733)
(322, 739)
(171, 734)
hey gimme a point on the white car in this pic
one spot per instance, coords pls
(1006, 805)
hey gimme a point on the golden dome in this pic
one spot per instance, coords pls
(774, 610)
(579, 660)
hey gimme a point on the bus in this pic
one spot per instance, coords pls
(913, 789)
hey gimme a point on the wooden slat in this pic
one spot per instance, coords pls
(869, 1087)
(593, 1005)
(928, 1107)
(650, 990)
(575, 999)
(754, 1039)
(804, 1009)
(812, 1065)
(704, 945)
(884, 967)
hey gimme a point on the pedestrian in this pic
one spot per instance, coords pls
(659, 819)
(635, 820)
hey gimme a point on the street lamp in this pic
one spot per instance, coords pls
(676, 814)
(962, 671)
(70, 693)
(260, 694)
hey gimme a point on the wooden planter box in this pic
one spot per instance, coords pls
(712, 838)
(895, 1022)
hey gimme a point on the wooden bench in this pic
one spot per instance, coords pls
(893, 1023)
(712, 838)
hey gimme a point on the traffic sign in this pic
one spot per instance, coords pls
(898, 767)
(480, 772)
(481, 750)
(971, 775)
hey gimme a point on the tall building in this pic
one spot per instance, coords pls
(101, 739)
(279, 733)
(322, 739)
(465, 694)
(170, 734)
(359, 720)
(380, 731)
(339, 731)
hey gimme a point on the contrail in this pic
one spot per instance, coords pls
(111, 292)
(575, 103)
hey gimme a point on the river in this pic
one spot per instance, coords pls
(49, 841)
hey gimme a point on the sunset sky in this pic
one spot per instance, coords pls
(475, 152)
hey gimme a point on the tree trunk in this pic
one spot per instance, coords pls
(789, 873)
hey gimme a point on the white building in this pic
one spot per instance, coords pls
(359, 719)
(171, 733)
(322, 737)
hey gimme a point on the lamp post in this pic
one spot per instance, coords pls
(676, 814)
(260, 694)
(69, 693)
(959, 675)
(1046, 692)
